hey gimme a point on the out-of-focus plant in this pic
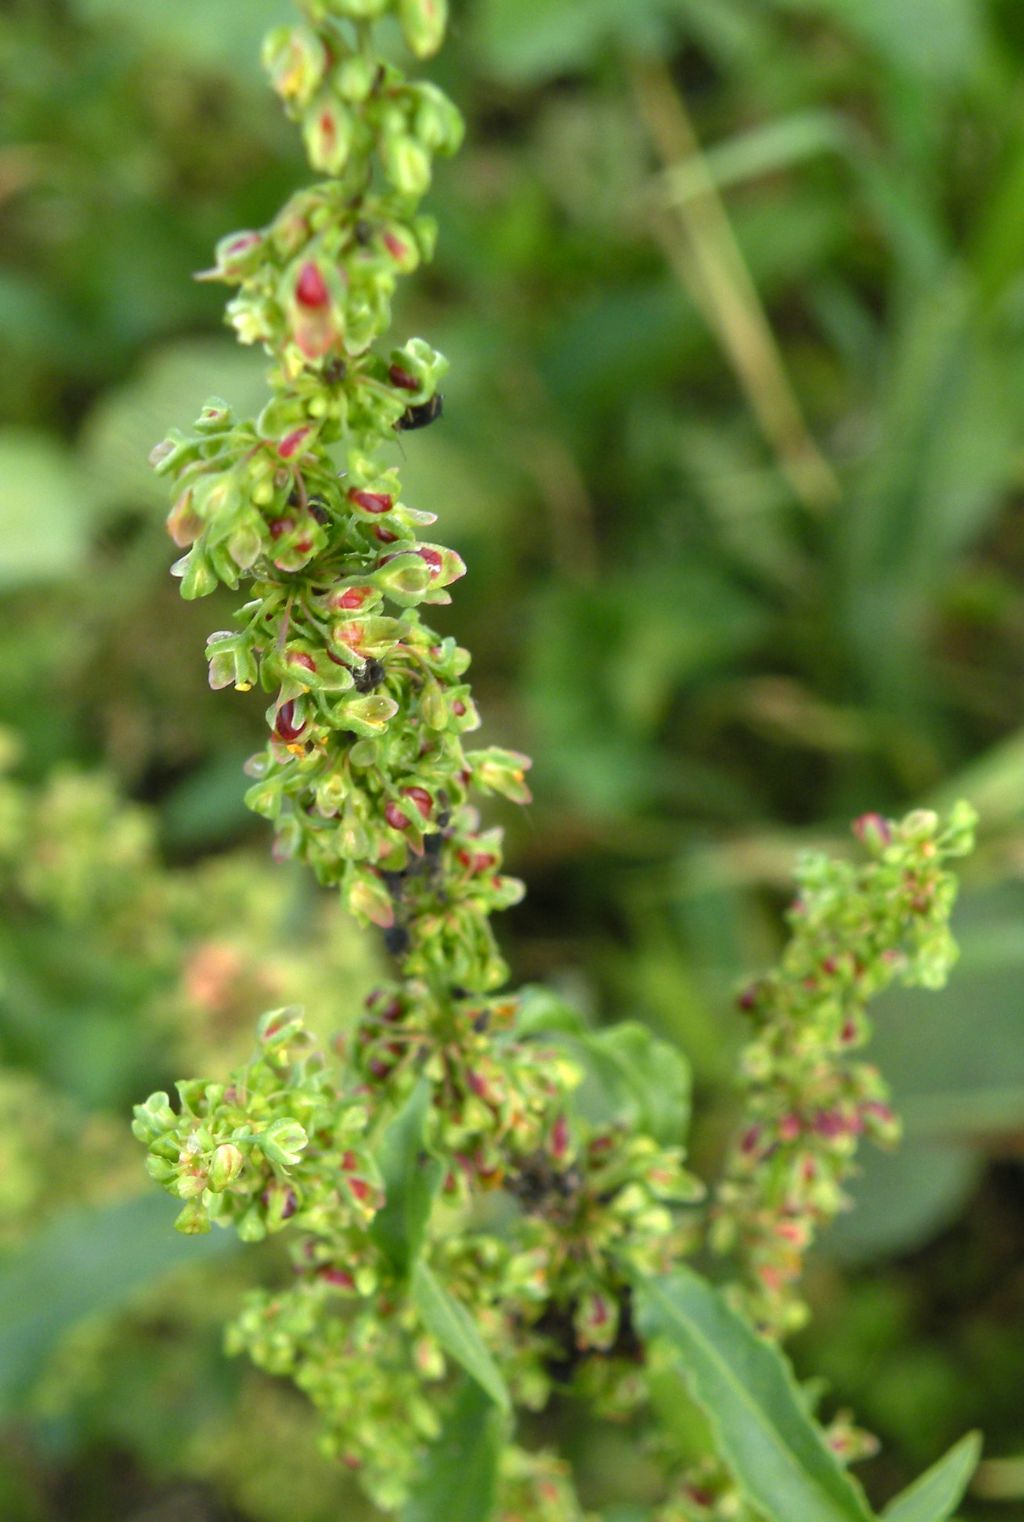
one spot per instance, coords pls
(488, 1202)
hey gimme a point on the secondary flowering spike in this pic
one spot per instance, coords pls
(857, 932)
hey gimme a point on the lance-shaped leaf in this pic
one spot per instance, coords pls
(939, 1491)
(457, 1333)
(411, 1180)
(86, 1262)
(779, 1456)
(460, 1478)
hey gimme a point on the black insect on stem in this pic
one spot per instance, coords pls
(369, 676)
(421, 415)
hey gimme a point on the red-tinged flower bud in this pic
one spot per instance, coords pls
(432, 557)
(750, 1141)
(479, 1086)
(395, 816)
(423, 23)
(327, 130)
(296, 60)
(359, 1189)
(830, 1124)
(369, 899)
(400, 377)
(400, 251)
(337, 1276)
(352, 598)
(301, 658)
(237, 255)
(311, 287)
(794, 1232)
(384, 534)
(790, 1127)
(421, 798)
(285, 726)
(560, 1137)
(873, 831)
(281, 526)
(292, 442)
(372, 501)
(183, 523)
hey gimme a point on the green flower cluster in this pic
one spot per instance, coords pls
(365, 773)
(489, 1166)
(854, 931)
(268, 1146)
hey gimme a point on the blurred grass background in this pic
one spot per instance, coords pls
(734, 448)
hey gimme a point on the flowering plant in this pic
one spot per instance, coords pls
(487, 1201)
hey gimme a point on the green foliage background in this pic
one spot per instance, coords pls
(711, 665)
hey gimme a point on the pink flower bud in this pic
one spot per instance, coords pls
(285, 726)
(339, 1276)
(372, 501)
(293, 441)
(311, 287)
(400, 251)
(400, 377)
(873, 830)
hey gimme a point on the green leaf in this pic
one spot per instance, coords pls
(457, 1333)
(460, 1479)
(939, 1491)
(85, 1262)
(527, 41)
(937, 40)
(542, 1012)
(778, 1455)
(633, 1076)
(411, 1180)
(45, 508)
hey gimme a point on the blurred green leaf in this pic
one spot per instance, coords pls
(197, 34)
(456, 1331)
(936, 39)
(84, 1263)
(763, 150)
(902, 1199)
(952, 1093)
(45, 509)
(528, 41)
(635, 1078)
(411, 1180)
(937, 1494)
(460, 1478)
(167, 393)
(931, 482)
